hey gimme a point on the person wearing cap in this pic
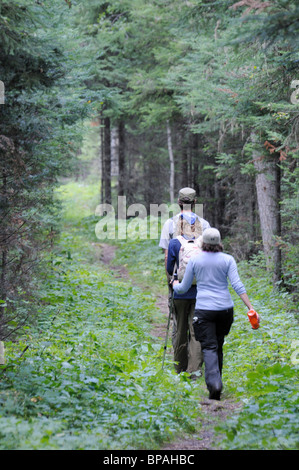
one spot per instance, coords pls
(186, 202)
(213, 315)
(187, 350)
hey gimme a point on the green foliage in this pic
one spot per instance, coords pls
(91, 378)
(39, 139)
(79, 200)
(262, 369)
(269, 418)
(219, 71)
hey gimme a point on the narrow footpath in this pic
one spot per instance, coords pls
(213, 412)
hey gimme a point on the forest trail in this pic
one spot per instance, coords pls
(212, 412)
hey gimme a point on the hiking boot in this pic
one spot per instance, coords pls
(215, 395)
(215, 389)
(212, 374)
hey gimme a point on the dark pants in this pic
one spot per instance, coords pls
(210, 328)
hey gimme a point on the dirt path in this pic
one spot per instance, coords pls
(212, 412)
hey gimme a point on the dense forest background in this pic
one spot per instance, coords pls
(139, 98)
(178, 93)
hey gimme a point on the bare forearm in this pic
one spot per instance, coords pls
(246, 300)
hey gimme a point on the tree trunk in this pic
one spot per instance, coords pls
(277, 275)
(4, 245)
(171, 160)
(107, 161)
(195, 161)
(114, 152)
(2, 353)
(268, 194)
(102, 153)
(184, 143)
(121, 159)
(184, 168)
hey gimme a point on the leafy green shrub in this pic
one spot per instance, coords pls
(92, 376)
(259, 368)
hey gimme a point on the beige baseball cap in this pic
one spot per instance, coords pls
(211, 236)
(187, 195)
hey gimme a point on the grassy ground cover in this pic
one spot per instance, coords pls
(91, 377)
(260, 366)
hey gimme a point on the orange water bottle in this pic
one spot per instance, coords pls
(254, 319)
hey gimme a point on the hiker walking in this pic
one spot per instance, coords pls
(171, 228)
(213, 315)
(187, 350)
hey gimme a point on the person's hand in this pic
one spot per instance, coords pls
(259, 318)
(175, 282)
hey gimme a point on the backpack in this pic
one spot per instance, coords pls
(180, 226)
(189, 249)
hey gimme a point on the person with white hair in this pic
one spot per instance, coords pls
(214, 308)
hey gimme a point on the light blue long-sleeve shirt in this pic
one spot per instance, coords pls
(212, 271)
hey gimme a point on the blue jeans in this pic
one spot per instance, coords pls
(210, 328)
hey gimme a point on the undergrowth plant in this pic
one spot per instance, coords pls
(260, 366)
(88, 373)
